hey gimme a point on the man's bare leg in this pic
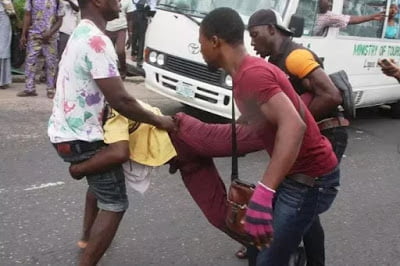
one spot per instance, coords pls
(102, 233)
(91, 211)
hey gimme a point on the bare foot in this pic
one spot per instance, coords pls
(82, 244)
(122, 73)
(241, 253)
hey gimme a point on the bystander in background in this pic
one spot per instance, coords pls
(144, 10)
(42, 21)
(69, 23)
(6, 11)
(392, 27)
(116, 31)
(326, 18)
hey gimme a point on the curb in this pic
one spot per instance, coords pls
(137, 73)
(18, 78)
(134, 79)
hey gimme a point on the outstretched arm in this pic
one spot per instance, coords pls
(119, 99)
(107, 158)
(360, 19)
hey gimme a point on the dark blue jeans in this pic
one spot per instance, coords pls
(108, 187)
(314, 238)
(296, 207)
(337, 136)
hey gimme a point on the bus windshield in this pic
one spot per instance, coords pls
(200, 8)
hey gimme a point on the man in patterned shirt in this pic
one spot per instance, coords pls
(42, 20)
(88, 77)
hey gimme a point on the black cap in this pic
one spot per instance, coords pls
(268, 17)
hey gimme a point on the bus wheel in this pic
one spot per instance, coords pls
(395, 110)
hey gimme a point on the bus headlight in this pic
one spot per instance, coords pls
(161, 59)
(228, 81)
(153, 57)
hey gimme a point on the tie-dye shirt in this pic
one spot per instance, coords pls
(78, 102)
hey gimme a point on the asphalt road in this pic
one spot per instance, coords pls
(41, 206)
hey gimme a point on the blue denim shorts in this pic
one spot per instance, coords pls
(108, 187)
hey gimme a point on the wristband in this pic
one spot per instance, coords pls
(266, 187)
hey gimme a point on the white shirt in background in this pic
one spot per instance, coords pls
(121, 23)
(70, 19)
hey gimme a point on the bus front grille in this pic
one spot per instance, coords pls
(193, 70)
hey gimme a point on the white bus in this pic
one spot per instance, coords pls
(175, 68)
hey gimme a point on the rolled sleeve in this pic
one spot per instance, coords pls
(300, 63)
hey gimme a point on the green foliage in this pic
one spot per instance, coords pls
(19, 10)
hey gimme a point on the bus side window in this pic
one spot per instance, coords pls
(392, 27)
(372, 29)
(308, 9)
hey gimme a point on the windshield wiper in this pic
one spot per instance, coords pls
(178, 11)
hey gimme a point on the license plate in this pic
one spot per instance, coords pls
(185, 89)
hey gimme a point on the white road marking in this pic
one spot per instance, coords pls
(34, 187)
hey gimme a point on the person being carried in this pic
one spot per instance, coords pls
(270, 107)
(140, 147)
(88, 77)
(326, 18)
(191, 149)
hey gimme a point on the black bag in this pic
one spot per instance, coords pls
(239, 194)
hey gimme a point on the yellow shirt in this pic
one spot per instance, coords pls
(300, 63)
(148, 145)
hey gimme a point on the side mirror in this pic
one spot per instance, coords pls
(296, 25)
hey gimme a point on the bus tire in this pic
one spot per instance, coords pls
(395, 110)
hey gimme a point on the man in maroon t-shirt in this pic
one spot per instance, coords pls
(301, 178)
